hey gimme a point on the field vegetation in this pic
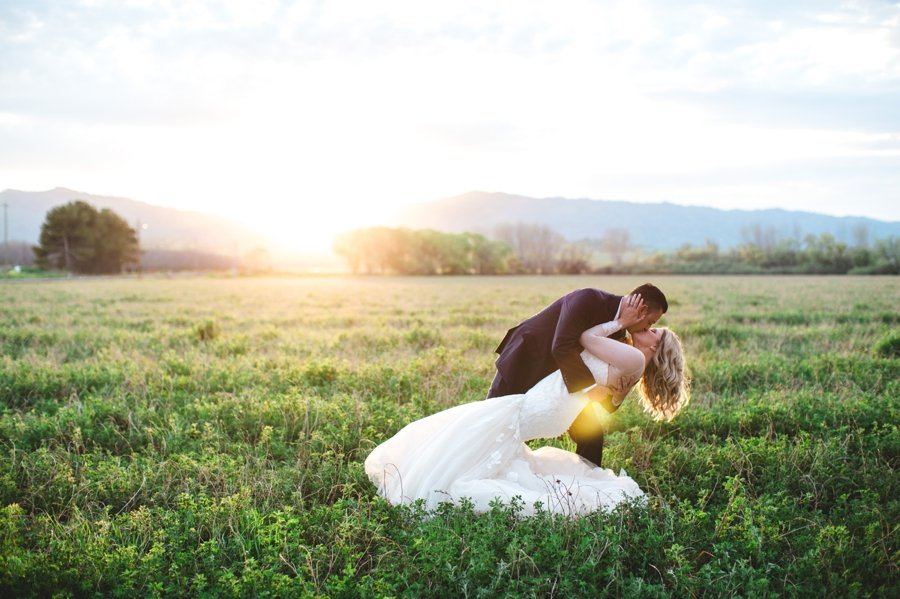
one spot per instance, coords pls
(205, 437)
(536, 249)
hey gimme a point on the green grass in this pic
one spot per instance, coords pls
(205, 438)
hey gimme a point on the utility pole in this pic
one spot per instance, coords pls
(137, 234)
(5, 234)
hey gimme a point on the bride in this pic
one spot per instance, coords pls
(478, 451)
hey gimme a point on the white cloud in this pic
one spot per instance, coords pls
(364, 105)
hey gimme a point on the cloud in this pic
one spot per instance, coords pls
(543, 99)
(113, 54)
(863, 110)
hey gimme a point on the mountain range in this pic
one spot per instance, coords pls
(160, 227)
(659, 226)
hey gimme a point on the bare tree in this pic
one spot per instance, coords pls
(889, 253)
(19, 252)
(257, 260)
(861, 235)
(616, 243)
(535, 246)
(575, 258)
(765, 238)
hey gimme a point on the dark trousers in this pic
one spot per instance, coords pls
(585, 430)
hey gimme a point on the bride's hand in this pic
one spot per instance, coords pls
(623, 385)
(633, 310)
(598, 392)
(603, 396)
(618, 391)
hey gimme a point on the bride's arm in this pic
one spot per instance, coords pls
(622, 356)
(626, 364)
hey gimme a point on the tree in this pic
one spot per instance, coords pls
(535, 246)
(764, 238)
(861, 235)
(575, 258)
(487, 256)
(372, 250)
(616, 243)
(20, 253)
(257, 260)
(115, 244)
(421, 252)
(888, 255)
(345, 245)
(824, 254)
(78, 238)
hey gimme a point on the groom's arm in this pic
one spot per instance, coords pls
(578, 312)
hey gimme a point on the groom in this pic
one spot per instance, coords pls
(549, 340)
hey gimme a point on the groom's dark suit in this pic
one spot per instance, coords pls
(549, 340)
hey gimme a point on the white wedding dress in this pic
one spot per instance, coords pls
(477, 451)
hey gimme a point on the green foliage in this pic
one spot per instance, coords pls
(536, 249)
(207, 330)
(821, 254)
(889, 345)
(155, 445)
(79, 238)
(421, 252)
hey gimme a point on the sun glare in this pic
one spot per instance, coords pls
(331, 117)
(303, 229)
(308, 227)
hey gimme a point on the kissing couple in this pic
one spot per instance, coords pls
(564, 369)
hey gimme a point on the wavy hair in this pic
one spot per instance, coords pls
(665, 386)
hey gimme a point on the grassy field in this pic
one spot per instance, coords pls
(205, 437)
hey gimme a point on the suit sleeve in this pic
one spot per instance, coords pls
(579, 312)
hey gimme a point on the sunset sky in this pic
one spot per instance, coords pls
(274, 112)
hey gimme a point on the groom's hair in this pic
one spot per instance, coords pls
(652, 296)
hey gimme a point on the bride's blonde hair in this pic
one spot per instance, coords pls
(665, 386)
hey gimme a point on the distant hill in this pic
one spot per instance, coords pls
(166, 228)
(660, 226)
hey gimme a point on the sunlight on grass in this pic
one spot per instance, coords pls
(191, 436)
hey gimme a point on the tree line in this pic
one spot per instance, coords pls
(536, 249)
(814, 254)
(519, 248)
(79, 238)
(383, 250)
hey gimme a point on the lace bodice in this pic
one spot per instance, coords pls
(549, 409)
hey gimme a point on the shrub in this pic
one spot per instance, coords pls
(207, 330)
(889, 345)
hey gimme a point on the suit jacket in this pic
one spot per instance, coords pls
(549, 340)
